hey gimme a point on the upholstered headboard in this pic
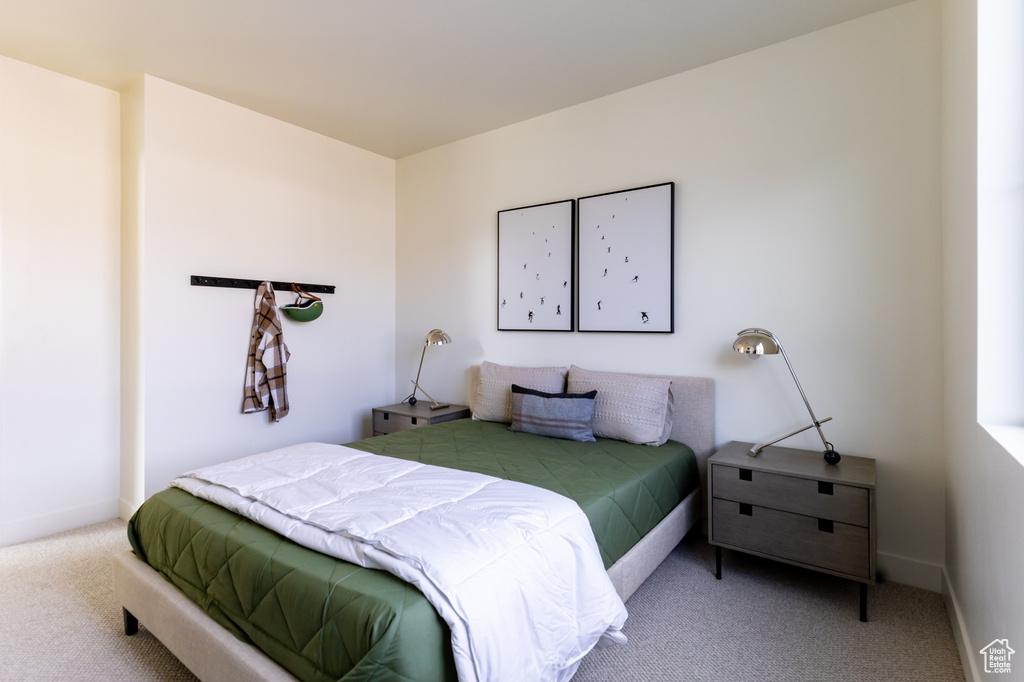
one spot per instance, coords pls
(693, 415)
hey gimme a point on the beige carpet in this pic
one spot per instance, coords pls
(60, 621)
(763, 621)
(770, 621)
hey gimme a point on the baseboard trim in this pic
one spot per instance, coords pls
(963, 640)
(56, 522)
(126, 510)
(906, 571)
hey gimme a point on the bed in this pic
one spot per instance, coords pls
(215, 647)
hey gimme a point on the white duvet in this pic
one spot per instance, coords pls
(513, 569)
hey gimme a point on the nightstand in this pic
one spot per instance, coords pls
(405, 416)
(791, 506)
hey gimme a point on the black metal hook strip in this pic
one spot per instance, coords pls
(237, 283)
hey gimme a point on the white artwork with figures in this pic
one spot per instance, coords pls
(535, 267)
(626, 260)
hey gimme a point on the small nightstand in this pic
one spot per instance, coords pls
(791, 506)
(405, 416)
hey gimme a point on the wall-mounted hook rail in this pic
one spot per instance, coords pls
(238, 283)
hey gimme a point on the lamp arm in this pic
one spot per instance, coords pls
(436, 405)
(416, 384)
(816, 423)
(756, 449)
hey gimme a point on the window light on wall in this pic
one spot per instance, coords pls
(1001, 221)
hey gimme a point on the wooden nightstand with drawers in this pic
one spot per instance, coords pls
(405, 416)
(792, 506)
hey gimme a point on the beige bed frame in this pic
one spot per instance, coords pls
(215, 655)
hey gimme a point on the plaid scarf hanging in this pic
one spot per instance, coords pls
(266, 371)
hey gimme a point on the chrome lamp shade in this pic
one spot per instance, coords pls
(435, 337)
(756, 342)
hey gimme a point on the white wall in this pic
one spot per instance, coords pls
(223, 191)
(807, 180)
(984, 482)
(59, 220)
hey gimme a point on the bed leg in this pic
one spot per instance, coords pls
(863, 602)
(718, 562)
(131, 623)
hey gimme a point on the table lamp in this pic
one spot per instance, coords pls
(756, 342)
(435, 337)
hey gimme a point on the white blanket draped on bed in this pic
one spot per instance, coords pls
(513, 569)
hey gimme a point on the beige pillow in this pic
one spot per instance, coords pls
(494, 391)
(629, 407)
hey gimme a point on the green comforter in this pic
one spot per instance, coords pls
(324, 619)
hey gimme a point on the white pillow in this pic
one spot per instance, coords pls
(629, 407)
(494, 391)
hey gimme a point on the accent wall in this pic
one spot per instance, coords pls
(59, 208)
(807, 202)
(217, 190)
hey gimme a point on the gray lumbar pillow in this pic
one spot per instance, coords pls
(557, 415)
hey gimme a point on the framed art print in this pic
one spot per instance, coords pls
(535, 267)
(626, 260)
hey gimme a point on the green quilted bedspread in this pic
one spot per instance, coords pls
(624, 489)
(325, 619)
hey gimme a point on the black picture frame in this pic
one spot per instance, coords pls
(536, 275)
(626, 260)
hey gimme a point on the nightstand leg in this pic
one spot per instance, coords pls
(718, 562)
(863, 602)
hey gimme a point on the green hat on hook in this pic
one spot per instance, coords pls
(306, 312)
(306, 308)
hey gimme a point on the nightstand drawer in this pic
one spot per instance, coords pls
(389, 422)
(818, 543)
(821, 499)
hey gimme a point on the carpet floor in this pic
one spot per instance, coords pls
(762, 621)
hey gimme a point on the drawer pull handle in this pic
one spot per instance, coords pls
(746, 475)
(825, 526)
(824, 488)
(386, 416)
(746, 509)
(414, 420)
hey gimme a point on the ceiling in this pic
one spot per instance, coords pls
(400, 76)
